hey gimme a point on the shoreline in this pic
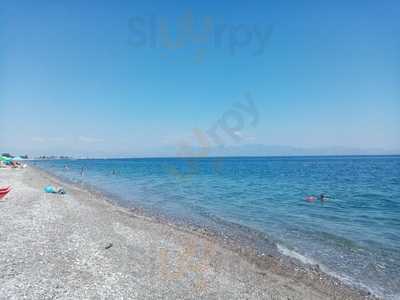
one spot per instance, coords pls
(291, 279)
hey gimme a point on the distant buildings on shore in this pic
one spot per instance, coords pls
(53, 157)
(11, 156)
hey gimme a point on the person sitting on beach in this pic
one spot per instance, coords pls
(15, 164)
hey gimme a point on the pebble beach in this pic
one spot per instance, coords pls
(79, 245)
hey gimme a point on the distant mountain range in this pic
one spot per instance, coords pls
(267, 150)
(239, 150)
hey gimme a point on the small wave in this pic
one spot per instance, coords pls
(345, 279)
(293, 254)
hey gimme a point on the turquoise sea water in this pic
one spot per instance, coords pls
(355, 234)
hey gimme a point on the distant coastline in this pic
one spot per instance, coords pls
(54, 157)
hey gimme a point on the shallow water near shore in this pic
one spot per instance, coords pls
(354, 234)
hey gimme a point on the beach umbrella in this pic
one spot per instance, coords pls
(5, 158)
(17, 158)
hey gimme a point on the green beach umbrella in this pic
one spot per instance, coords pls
(5, 158)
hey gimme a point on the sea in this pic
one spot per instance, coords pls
(353, 234)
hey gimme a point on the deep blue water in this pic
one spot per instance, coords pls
(355, 234)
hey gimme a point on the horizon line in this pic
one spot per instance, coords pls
(66, 157)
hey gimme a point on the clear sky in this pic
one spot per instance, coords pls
(109, 78)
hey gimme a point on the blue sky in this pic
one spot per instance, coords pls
(100, 79)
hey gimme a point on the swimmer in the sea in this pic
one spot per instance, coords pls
(321, 197)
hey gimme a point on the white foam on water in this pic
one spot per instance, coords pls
(345, 279)
(293, 254)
